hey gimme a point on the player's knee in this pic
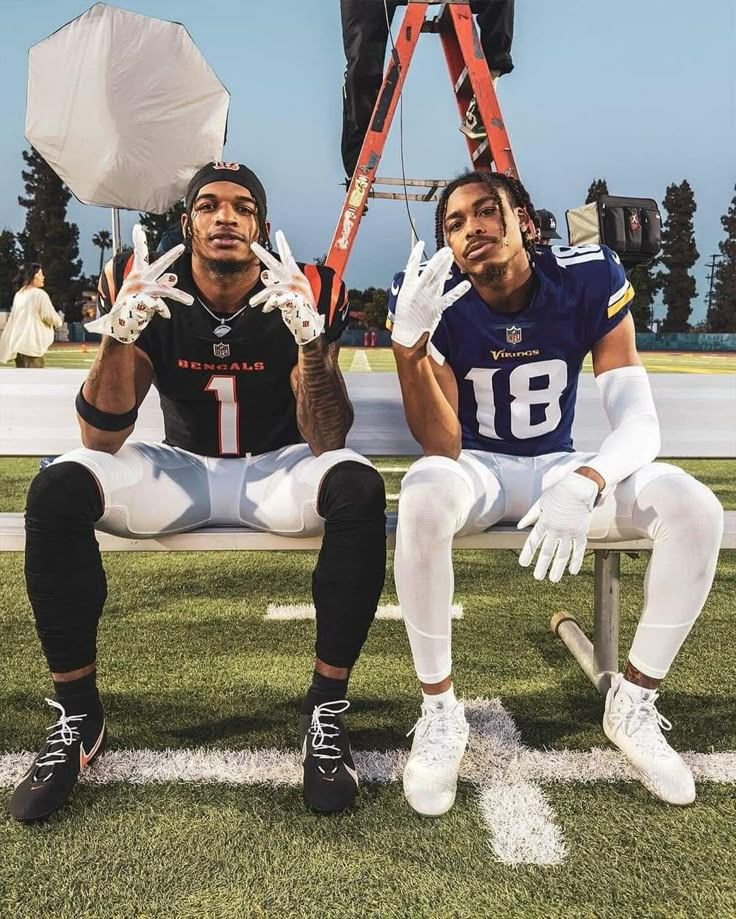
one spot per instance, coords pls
(64, 494)
(352, 489)
(433, 501)
(687, 509)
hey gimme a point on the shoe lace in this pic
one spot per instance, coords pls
(643, 718)
(63, 733)
(437, 733)
(324, 729)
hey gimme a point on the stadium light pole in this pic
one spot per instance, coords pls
(714, 258)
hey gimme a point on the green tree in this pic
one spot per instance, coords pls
(597, 188)
(9, 264)
(646, 286)
(48, 238)
(155, 225)
(679, 254)
(103, 240)
(356, 305)
(375, 309)
(722, 315)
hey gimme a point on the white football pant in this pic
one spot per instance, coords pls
(152, 489)
(441, 497)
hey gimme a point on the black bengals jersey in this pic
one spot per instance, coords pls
(229, 395)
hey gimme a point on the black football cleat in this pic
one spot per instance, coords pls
(330, 779)
(73, 742)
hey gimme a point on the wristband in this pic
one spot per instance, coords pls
(104, 421)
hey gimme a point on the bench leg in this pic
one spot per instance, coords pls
(599, 658)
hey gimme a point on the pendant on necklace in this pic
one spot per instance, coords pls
(221, 330)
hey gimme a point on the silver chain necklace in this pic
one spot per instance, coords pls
(223, 328)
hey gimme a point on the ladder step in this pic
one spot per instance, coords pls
(419, 183)
(400, 196)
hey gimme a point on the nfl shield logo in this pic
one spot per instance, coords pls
(221, 349)
(513, 335)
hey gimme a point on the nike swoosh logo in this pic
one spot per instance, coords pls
(352, 772)
(85, 757)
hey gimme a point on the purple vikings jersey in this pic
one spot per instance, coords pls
(517, 375)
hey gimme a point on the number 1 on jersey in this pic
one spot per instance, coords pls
(227, 403)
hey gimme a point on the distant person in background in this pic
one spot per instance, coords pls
(29, 332)
(365, 27)
(546, 228)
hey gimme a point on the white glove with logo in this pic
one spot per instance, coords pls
(140, 295)
(421, 303)
(288, 290)
(561, 521)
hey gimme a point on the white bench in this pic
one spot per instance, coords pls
(599, 658)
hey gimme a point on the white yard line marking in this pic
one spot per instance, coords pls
(522, 824)
(392, 468)
(507, 774)
(360, 362)
(306, 611)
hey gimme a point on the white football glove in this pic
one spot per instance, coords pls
(561, 521)
(288, 290)
(421, 303)
(140, 294)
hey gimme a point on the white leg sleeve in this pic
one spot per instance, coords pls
(685, 521)
(436, 497)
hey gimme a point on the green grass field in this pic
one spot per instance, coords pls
(188, 663)
(380, 360)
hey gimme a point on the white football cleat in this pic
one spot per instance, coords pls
(632, 722)
(430, 774)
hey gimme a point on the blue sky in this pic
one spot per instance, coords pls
(640, 92)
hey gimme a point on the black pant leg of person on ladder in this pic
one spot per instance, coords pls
(364, 37)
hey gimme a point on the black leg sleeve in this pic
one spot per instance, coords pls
(64, 575)
(364, 36)
(351, 567)
(496, 27)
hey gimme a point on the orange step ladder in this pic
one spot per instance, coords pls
(469, 75)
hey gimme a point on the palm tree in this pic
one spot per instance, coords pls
(103, 240)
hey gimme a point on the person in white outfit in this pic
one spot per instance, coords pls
(489, 340)
(29, 332)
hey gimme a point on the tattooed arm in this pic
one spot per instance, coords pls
(323, 410)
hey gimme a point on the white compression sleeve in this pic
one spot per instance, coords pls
(434, 502)
(634, 439)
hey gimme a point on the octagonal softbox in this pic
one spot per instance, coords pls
(124, 108)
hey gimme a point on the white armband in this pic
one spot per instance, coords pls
(634, 439)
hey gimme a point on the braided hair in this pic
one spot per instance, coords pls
(262, 230)
(518, 195)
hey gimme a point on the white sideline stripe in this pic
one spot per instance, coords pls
(360, 362)
(278, 767)
(306, 611)
(522, 823)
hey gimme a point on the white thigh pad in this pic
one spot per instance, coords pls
(282, 489)
(148, 489)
